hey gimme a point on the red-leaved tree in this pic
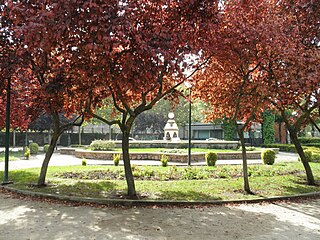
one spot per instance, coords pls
(292, 63)
(137, 55)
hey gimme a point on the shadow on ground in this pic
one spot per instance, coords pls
(40, 220)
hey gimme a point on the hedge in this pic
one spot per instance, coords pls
(309, 140)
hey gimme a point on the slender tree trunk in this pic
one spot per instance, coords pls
(127, 166)
(44, 168)
(244, 159)
(297, 144)
(280, 133)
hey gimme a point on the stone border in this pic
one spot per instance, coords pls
(142, 203)
(156, 156)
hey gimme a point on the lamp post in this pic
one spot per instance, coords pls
(7, 137)
(189, 86)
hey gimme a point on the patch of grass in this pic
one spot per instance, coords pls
(13, 155)
(172, 183)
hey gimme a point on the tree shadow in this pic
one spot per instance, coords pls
(186, 195)
(103, 189)
(21, 176)
(42, 220)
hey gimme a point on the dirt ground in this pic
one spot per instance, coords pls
(34, 219)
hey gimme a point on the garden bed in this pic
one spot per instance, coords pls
(173, 157)
(171, 183)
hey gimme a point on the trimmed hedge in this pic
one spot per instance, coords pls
(312, 152)
(102, 145)
(211, 158)
(282, 147)
(308, 140)
(34, 148)
(268, 156)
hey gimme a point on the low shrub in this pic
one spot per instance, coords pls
(102, 145)
(249, 149)
(282, 147)
(308, 155)
(268, 156)
(116, 159)
(46, 148)
(211, 158)
(164, 160)
(191, 173)
(34, 148)
(84, 162)
(26, 153)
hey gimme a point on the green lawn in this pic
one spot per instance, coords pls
(12, 155)
(173, 183)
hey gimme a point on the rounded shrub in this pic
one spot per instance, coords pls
(26, 153)
(84, 162)
(164, 160)
(268, 156)
(34, 148)
(46, 148)
(211, 158)
(116, 159)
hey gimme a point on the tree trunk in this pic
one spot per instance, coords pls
(244, 159)
(127, 166)
(280, 132)
(44, 168)
(296, 142)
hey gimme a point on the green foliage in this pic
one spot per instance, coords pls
(46, 148)
(282, 147)
(173, 150)
(172, 172)
(228, 130)
(309, 140)
(308, 155)
(26, 153)
(164, 160)
(280, 179)
(116, 159)
(268, 127)
(268, 156)
(102, 145)
(250, 149)
(315, 153)
(34, 148)
(312, 144)
(192, 173)
(84, 162)
(13, 155)
(211, 158)
(315, 157)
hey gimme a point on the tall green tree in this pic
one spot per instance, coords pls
(268, 127)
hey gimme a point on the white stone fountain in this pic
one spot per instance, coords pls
(171, 130)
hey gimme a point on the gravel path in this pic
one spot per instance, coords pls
(27, 219)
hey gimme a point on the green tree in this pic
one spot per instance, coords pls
(268, 127)
(229, 130)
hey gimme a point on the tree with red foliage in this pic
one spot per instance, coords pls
(83, 52)
(292, 63)
(231, 81)
(138, 55)
(12, 72)
(48, 59)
